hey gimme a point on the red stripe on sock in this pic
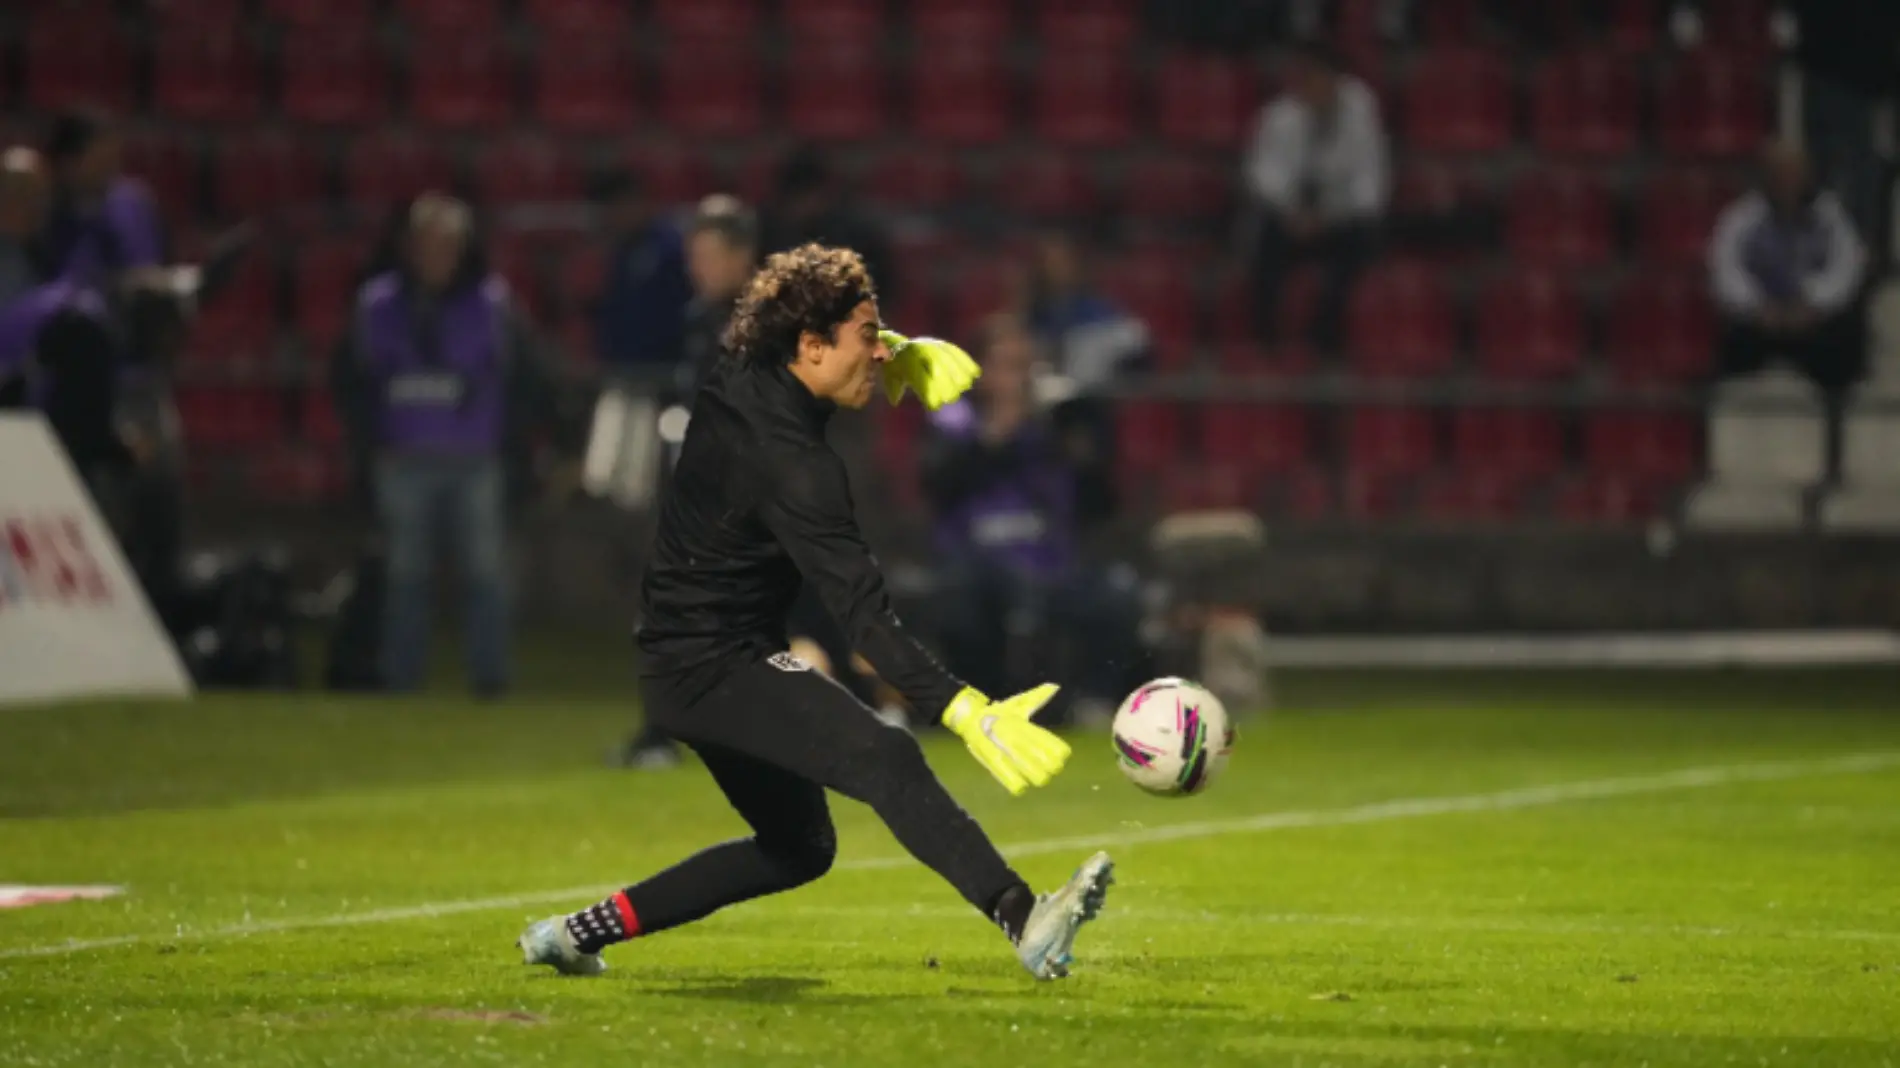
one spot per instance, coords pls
(629, 923)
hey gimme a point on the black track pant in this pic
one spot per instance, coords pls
(775, 740)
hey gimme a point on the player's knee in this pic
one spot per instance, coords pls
(806, 856)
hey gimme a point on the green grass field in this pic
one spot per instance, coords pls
(1429, 870)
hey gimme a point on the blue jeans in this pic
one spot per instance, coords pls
(425, 500)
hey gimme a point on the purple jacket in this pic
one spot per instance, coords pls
(1011, 502)
(439, 381)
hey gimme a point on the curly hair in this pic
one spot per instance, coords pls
(809, 289)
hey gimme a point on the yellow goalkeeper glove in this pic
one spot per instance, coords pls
(937, 371)
(1002, 739)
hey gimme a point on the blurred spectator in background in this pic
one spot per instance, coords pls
(642, 309)
(1319, 178)
(1004, 501)
(722, 248)
(1849, 51)
(24, 196)
(103, 222)
(810, 204)
(439, 385)
(1786, 268)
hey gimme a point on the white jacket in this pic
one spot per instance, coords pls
(1818, 260)
(1339, 169)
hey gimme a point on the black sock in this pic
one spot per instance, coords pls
(1011, 910)
(598, 926)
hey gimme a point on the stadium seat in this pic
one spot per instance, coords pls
(204, 73)
(1648, 448)
(711, 91)
(960, 25)
(1529, 328)
(1391, 441)
(430, 17)
(1175, 188)
(1713, 105)
(334, 77)
(981, 288)
(1203, 101)
(1156, 291)
(517, 258)
(1100, 27)
(325, 274)
(1586, 104)
(1450, 22)
(1742, 27)
(1518, 444)
(168, 163)
(335, 16)
(240, 325)
(1632, 26)
(263, 173)
(961, 97)
(1559, 219)
(583, 82)
(385, 168)
(318, 421)
(526, 168)
(1209, 487)
(708, 20)
(1401, 324)
(1662, 330)
(1481, 496)
(1677, 213)
(193, 12)
(673, 173)
(848, 104)
(1045, 184)
(461, 81)
(1458, 100)
(914, 176)
(1083, 101)
(1256, 438)
(230, 417)
(1147, 436)
(1608, 498)
(71, 61)
(607, 18)
(293, 474)
(855, 26)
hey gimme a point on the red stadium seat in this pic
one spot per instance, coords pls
(334, 77)
(1559, 219)
(711, 90)
(1713, 105)
(240, 324)
(1662, 329)
(206, 73)
(1147, 436)
(296, 475)
(1176, 189)
(1677, 213)
(195, 12)
(319, 421)
(169, 165)
(960, 25)
(961, 97)
(1208, 487)
(1459, 100)
(387, 168)
(583, 82)
(1633, 25)
(673, 173)
(323, 292)
(1156, 291)
(1743, 27)
(1471, 496)
(1586, 104)
(847, 104)
(981, 289)
(1401, 324)
(73, 60)
(1657, 448)
(1255, 438)
(526, 169)
(919, 176)
(1046, 184)
(1529, 328)
(1083, 101)
(835, 25)
(1517, 444)
(1391, 441)
(570, 17)
(264, 173)
(1203, 101)
(460, 80)
(1102, 27)
(450, 16)
(231, 417)
(334, 16)
(703, 20)
(1235, 312)
(1450, 22)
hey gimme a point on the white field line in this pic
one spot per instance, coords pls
(1377, 812)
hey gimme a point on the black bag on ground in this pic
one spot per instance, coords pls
(356, 633)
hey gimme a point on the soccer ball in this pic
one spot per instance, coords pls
(1172, 737)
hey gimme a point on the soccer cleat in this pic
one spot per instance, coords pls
(547, 942)
(1049, 933)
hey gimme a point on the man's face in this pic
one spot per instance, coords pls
(1311, 82)
(1058, 264)
(845, 369)
(93, 170)
(1006, 365)
(1785, 176)
(434, 254)
(717, 267)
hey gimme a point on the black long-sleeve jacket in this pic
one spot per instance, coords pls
(758, 499)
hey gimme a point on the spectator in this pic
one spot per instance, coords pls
(1786, 268)
(438, 380)
(811, 205)
(23, 201)
(642, 309)
(1004, 500)
(102, 221)
(722, 248)
(1319, 179)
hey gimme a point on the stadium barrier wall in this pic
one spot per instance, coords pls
(73, 621)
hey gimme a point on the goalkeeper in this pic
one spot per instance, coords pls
(758, 500)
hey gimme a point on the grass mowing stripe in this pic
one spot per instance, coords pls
(1377, 812)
